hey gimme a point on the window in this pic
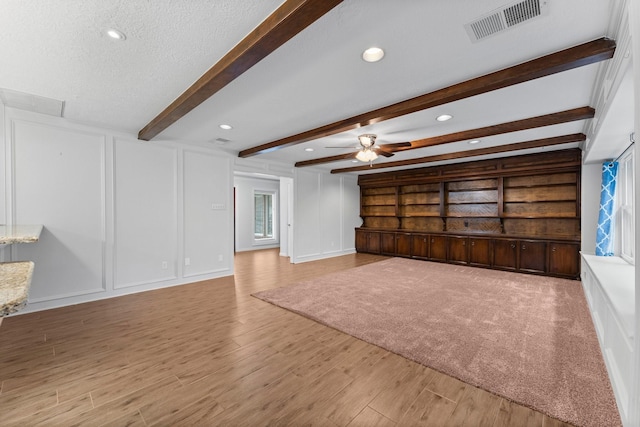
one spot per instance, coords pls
(625, 194)
(263, 215)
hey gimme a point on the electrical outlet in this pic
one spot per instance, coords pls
(217, 206)
(165, 265)
(187, 261)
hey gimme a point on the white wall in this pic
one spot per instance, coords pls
(607, 293)
(146, 201)
(208, 235)
(119, 215)
(326, 212)
(286, 214)
(3, 194)
(634, 25)
(245, 187)
(122, 216)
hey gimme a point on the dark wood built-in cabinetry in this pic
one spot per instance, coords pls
(518, 213)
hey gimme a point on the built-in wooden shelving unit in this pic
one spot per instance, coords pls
(533, 199)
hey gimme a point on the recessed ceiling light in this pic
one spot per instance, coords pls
(444, 117)
(373, 54)
(226, 127)
(115, 34)
(308, 149)
(474, 141)
(354, 161)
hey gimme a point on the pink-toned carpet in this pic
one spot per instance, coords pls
(529, 339)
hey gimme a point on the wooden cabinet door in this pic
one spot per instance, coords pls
(505, 254)
(564, 259)
(438, 248)
(388, 243)
(403, 244)
(420, 246)
(368, 241)
(458, 249)
(361, 241)
(373, 242)
(480, 251)
(532, 256)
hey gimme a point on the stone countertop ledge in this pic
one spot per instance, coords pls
(15, 280)
(10, 234)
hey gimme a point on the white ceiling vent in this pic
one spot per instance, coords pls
(505, 18)
(29, 102)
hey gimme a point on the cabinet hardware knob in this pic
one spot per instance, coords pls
(553, 249)
(432, 241)
(464, 243)
(473, 243)
(524, 247)
(513, 246)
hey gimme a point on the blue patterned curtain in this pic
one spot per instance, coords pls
(606, 221)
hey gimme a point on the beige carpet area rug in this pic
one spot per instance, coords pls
(529, 339)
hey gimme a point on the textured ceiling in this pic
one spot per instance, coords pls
(58, 49)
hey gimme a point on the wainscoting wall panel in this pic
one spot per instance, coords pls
(326, 212)
(119, 215)
(206, 185)
(331, 217)
(145, 202)
(58, 181)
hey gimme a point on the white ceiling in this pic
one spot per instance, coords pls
(58, 49)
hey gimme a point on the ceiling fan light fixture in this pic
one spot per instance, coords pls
(373, 54)
(366, 155)
(367, 140)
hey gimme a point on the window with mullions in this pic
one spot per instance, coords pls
(263, 215)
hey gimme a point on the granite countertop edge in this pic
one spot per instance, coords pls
(15, 281)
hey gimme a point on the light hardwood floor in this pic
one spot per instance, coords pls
(210, 354)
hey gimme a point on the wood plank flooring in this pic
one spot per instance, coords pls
(209, 354)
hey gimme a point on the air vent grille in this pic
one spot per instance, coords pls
(505, 18)
(29, 102)
(521, 12)
(487, 26)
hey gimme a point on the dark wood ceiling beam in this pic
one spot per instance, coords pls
(566, 116)
(581, 113)
(284, 23)
(328, 159)
(584, 54)
(537, 143)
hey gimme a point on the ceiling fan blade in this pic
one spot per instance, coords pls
(396, 145)
(384, 152)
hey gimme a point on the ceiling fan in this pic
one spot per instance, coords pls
(369, 151)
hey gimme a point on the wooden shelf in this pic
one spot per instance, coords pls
(534, 196)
